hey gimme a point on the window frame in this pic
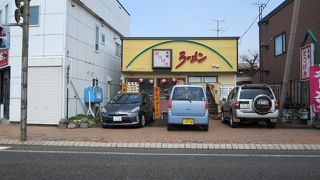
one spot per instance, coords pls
(1, 16)
(38, 24)
(203, 79)
(6, 14)
(97, 38)
(231, 94)
(283, 41)
(103, 38)
(116, 48)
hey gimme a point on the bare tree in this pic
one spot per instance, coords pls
(251, 60)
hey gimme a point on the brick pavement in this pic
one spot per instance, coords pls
(218, 134)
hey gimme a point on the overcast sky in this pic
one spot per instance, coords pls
(197, 18)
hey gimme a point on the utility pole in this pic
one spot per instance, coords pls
(22, 11)
(24, 69)
(292, 38)
(218, 29)
(261, 7)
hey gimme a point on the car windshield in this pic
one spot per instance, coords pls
(126, 99)
(188, 93)
(250, 93)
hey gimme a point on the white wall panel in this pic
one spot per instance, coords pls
(53, 23)
(14, 110)
(36, 47)
(53, 45)
(55, 6)
(81, 51)
(71, 46)
(83, 31)
(15, 47)
(15, 87)
(15, 63)
(72, 26)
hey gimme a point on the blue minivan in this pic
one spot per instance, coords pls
(188, 105)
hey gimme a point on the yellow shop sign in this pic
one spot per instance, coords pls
(180, 55)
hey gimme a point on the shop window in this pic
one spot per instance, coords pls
(210, 79)
(194, 80)
(145, 84)
(280, 44)
(166, 84)
(200, 79)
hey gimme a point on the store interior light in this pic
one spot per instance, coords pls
(151, 81)
(163, 80)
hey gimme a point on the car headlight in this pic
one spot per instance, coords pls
(135, 110)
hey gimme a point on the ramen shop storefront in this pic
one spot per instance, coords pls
(157, 64)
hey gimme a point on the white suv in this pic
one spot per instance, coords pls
(251, 102)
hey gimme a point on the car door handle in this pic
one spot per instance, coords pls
(188, 109)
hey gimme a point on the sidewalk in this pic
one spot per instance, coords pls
(123, 137)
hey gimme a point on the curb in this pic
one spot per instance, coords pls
(148, 145)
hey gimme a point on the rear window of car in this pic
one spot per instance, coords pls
(126, 99)
(188, 93)
(250, 93)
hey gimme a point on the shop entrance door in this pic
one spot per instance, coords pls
(165, 85)
(5, 92)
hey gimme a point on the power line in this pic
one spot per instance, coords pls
(259, 15)
(249, 27)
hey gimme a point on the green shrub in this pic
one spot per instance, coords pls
(82, 117)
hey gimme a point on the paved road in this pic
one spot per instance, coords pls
(37, 162)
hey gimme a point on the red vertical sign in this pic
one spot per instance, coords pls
(306, 60)
(315, 88)
(3, 57)
(156, 96)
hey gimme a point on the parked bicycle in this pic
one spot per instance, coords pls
(289, 115)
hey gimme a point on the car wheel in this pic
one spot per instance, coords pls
(271, 125)
(232, 123)
(170, 127)
(204, 127)
(222, 118)
(142, 120)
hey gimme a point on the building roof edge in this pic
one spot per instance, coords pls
(275, 11)
(191, 38)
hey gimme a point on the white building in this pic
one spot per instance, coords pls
(79, 36)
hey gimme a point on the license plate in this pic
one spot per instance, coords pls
(117, 118)
(244, 106)
(187, 121)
